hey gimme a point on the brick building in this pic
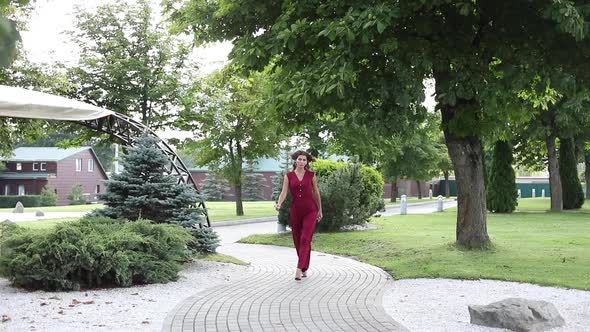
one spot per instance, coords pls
(32, 168)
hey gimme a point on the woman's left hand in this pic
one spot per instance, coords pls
(320, 216)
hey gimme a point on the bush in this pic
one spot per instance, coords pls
(205, 241)
(48, 197)
(372, 189)
(341, 199)
(76, 195)
(325, 167)
(94, 252)
(369, 189)
(27, 201)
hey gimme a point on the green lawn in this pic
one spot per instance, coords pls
(223, 211)
(529, 246)
(218, 211)
(66, 208)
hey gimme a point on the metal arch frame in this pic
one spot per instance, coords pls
(127, 130)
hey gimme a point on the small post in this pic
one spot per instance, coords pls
(533, 194)
(543, 193)
(404, 205)
(429, 193)
(519, 194)
(439, 205)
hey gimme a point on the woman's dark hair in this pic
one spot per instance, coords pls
(298, 153)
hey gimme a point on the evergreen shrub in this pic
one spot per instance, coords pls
(93, 252)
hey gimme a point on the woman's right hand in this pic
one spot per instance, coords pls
(277, 206)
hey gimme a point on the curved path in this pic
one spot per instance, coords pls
(339, 294)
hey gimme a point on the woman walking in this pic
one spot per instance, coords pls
(306, 207)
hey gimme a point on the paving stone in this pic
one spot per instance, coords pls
(339, 294)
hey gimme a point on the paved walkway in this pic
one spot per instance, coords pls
(340, 294)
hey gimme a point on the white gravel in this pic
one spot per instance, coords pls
(138, 308)
(441, 304)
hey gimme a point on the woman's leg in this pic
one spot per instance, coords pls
(309, 222)
(296, 224)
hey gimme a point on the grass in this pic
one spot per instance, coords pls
(218, 211)
(65, 208)
(221, 258)
(224, 211)
(528, 246)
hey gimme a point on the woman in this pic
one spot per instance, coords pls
(306, 208)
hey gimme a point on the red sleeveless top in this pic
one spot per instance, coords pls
(302, 190)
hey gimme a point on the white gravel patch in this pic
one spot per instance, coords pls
(138, 308)
(441, 304)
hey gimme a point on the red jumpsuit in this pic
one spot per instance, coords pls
(304, 215)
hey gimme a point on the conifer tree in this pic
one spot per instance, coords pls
(144, 190)
(573, 194)
(501, 187)
(254, 183)
(215, 187)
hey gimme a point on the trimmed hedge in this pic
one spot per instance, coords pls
(93, 252)
(27, 200)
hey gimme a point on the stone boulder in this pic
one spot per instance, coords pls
(39, 213)
(517, 314)
(19, 208)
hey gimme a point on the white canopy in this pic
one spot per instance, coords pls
(23, 103)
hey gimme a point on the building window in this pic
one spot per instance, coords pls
(90, 165)
(6, 189)
(19, 166)
(97, 190)
(21, 189)
(35, 166)
(78, 165)
(43, 166)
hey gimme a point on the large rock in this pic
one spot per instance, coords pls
(19, 208)
(39, 213)
(517, 314)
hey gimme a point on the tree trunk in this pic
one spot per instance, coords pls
(394, 191)
(419, 189)
(587, 172)
(239, 178)
(554, 178)
(447, 184)
(467, 156)
(239, 204)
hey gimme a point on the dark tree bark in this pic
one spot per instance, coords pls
(554, 177)
(394, 191)
(467, 156)
(238, 186)
(587, 172)
(419, 189)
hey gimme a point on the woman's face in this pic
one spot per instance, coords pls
(301, 161)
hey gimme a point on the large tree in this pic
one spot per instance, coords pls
(228, 114)
(369, 59)
(12, 13)
(128, 62)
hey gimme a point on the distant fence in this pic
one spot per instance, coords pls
(526, 189)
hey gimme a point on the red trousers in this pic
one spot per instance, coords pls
(303, 222)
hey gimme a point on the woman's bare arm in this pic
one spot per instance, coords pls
(283, 194)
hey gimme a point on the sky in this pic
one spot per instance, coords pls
(44, 41)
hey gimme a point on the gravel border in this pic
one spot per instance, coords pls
(441, 304)
(138, 308)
